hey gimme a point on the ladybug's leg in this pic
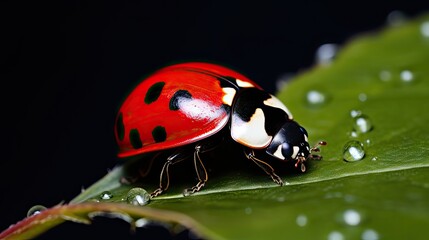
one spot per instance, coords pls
(201, 172)
(265, 166)
(164, 177)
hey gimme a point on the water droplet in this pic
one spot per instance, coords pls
(326, 53)
(369, 234)
(362, 124)
(35, 210)
(335, 235)
(355, 113)
(396, 18)
(353, 151)
(106, 195)
(141, 222)
(362, 97)
(368, 142)
(353, 134)
(301, 220)
(351, 217)
(315, 97)
(385, 75)
(407, 76)
(138, 197)
(248, 210)
(424, 29)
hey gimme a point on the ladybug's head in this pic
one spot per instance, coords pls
(291, 143)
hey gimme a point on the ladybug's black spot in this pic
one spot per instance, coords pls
(174, 101)
(153, 92)
(159, 134)
(135, 140)
(120, 128)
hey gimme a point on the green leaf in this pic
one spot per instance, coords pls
(381, 75)
(84, 212)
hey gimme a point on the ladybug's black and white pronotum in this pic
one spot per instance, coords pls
(182, 108)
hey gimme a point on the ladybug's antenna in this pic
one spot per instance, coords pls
(316, 147)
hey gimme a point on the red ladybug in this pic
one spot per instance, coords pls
(184, 106)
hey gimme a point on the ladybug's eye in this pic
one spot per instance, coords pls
(287, 150)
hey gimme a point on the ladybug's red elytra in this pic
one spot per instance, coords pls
(183, 106)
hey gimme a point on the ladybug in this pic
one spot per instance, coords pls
(187, 106)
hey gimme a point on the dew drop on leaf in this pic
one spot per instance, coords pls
(315, 97)
(385, 75)
(106, 195)
(353, 151)
(355, 113)
(301, 220)
(362, 124)
(407, 76)
(424, 29)
(35, 210)
(353, 134)
(335, 235)
(326, 53)
(138, 197)
(370, 234)
(362, 97)
(351, 217)
(368, 142)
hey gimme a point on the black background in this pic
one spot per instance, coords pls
(67, 66)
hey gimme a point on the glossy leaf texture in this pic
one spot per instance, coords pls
(374, 93)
